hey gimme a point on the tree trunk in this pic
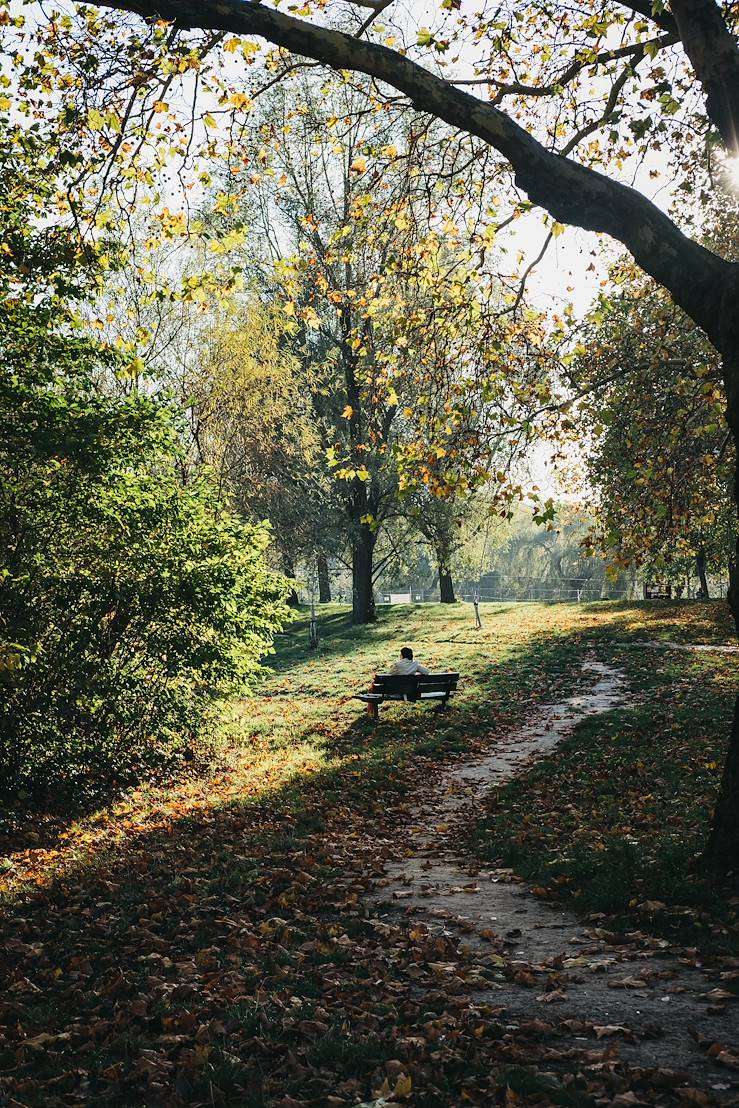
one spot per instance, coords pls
(363, 550)
(700, 566)
(324, 581)
(723, 842)
(446, 585)
(289, 570)
(722, 850)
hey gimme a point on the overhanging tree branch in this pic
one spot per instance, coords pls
(646, 8)
(712, 50)
(571, 192)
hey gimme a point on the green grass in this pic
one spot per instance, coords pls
(229, 912)
(617, 817)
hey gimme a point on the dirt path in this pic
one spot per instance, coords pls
(689, 647)
(647, 1006)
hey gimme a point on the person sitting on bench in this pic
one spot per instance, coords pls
(405, 664)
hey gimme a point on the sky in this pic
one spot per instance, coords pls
(576, 263)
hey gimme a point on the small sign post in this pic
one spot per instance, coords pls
(313, 633)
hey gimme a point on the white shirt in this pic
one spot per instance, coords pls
(406, 667)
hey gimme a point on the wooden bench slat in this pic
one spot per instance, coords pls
(411, 687)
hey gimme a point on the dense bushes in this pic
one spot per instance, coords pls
(128, 603)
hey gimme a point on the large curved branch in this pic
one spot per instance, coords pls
(713, 53)
(646, 8)
(572, 193)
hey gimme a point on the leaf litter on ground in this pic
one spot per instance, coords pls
(212, 943)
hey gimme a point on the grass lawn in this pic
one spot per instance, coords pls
(208, 943)
(616, 819)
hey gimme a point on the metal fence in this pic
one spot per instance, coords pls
(511, 589)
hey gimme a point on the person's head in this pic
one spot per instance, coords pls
(406, 652)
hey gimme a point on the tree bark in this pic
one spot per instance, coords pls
(289, 570)
(363, 552)
(722, 850)
(700, 567)
(324, 580)
(446, 585)
(712, 50)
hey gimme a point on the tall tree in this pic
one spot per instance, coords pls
(440, 521)
(658, 453)
(688, 52)
(254, 425)
(384, 295)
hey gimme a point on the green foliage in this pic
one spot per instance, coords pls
(127, 604)
(659, 455)
(255, 425)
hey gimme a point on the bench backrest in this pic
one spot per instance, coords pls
(396, 686)
(437, 682)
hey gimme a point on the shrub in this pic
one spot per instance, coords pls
(129, 601)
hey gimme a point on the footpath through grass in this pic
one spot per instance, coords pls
(617, 817)
(211, 943)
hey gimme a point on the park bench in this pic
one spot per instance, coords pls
(657, 590)
(412, 688)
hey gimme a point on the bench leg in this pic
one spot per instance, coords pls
(373, 711)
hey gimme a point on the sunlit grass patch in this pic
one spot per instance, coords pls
(216, 934)
(304, 721)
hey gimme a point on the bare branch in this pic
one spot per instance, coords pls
(571, 192)
(635, 50)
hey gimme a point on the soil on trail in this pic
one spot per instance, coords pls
(688, 647)
(654, 1008)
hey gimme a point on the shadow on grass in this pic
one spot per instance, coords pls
(227, 957)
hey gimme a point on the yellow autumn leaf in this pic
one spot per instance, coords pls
(241, 100)
(359, 165)
(403, 1086)
(348, 412)
(159, 106)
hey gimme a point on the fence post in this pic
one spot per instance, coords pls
(476, 606)
(313, 633)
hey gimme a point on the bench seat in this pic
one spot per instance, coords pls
(410, 688)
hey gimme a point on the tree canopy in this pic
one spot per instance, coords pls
(572, 100)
